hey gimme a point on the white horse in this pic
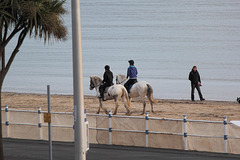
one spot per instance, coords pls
(139, 89)
(113, 92)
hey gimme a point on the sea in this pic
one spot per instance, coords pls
(165, 38)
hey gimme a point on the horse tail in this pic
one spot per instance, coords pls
(150, 94)
(125, 94)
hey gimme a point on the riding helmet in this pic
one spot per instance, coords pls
(131, 62)
(107, 67)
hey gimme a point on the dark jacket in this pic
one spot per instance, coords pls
(194, 77)
(132, 72)
(108, 77)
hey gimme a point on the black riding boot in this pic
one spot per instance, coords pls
(102, 96)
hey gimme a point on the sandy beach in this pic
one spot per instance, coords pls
(199, 110)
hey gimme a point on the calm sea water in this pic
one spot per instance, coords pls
(164, 37)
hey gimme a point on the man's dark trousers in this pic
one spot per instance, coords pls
(102, 88)
(198, 89)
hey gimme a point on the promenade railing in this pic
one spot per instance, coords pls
(142, 131)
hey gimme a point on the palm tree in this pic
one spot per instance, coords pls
(36, 18)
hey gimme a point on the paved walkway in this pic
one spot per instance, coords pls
(15, 149)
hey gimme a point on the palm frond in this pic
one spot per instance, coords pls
(43, 18)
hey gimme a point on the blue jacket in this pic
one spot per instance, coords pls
(132, 72)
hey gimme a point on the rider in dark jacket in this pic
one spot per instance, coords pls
(195, 79)
(132, 74)
(107, 81)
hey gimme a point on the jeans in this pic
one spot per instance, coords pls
(198, 89)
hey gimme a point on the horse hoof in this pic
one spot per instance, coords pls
(129, 113)
(142, 113)
(114, 113)
(97, 113)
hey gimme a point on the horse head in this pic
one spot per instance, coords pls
(95, 81)
(120, 78)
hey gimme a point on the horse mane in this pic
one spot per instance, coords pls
(96, 80)
(122, 76)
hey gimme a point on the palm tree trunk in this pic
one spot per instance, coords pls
(3, 73)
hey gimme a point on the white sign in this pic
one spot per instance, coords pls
(237, 123)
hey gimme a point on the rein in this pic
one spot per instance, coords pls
(123, 81)
(95, 86)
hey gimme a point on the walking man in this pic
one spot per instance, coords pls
(132, 74)
(195, 79)
(107, 81)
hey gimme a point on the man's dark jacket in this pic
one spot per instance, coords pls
(194, 77)
(108, 77)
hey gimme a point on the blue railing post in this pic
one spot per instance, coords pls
(7, 121)
(39, 124)
(225, 134)
(110, 127)
(146, 129)
(185, 131)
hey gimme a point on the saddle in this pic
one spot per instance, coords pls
(106, 89)
(130, 86)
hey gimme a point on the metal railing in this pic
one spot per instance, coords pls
(110, 129)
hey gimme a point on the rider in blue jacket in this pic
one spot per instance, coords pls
(131, 74)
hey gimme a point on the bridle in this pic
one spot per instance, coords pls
(92, 85)
(121, 81)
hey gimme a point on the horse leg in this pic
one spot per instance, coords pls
(100, 105)
(129, 113)
(116, 105)
(105, 110)
(144, 107)
(152, 107)
(130, 99)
